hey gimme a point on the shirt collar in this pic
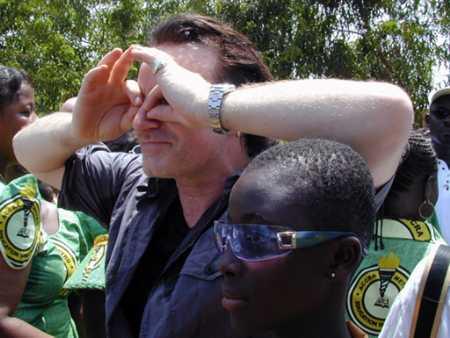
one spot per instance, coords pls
(152, 187)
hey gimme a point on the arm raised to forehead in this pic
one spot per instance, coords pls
(103, 111)
(373, 117)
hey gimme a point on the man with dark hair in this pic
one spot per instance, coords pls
(238, 62)
(438, 120)
(162, 275)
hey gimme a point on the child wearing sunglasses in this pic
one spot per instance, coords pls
(298, 224)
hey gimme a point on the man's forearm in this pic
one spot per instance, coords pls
(46, 144)
(374, 118)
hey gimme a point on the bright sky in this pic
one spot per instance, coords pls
(441, 77)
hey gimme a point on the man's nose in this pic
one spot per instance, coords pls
(141, 122)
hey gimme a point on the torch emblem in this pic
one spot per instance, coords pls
(387, 266)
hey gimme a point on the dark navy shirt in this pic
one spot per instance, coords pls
(170, 230)
(184, 299)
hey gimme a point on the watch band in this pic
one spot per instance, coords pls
(215, 99)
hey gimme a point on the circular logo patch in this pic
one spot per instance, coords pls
(19, 230)
(373, 291)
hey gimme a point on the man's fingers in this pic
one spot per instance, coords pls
(142, 124)
(96, 76)
(142, 54)
(153, 98)
(122, 66)
(155, 58)
(110, 58)
(163, 113)
(133, 92)
(127, 119)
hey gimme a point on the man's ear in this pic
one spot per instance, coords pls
(347, 256)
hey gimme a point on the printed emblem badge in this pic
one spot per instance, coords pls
(68, 256)
(69, 259)
(373, 291)
(99, 251)
(408, 229)
(20, 228)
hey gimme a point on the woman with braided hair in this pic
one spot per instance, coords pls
(414, 190)
(403, 234)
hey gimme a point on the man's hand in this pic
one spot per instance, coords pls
(185, 91)
(106, 103)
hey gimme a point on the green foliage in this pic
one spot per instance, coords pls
(397, 41)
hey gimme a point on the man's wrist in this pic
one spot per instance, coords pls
(217, 93)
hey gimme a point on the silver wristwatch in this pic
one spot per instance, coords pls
(216, 94)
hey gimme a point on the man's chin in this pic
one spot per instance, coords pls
(156, 173)
(154, 170)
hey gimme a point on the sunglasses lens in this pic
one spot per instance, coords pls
(255, 242)
(250, 242)
(221, 231)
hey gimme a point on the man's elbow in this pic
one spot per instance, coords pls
(400, 110)
(392, 119)
(20, 149)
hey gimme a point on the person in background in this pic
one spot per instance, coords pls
(438, 121)
(40, 245)
(40, 248)
(402, 236)
(299, 220)
(17, 109)
(162, 276)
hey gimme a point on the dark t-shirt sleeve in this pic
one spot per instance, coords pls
(94, 178)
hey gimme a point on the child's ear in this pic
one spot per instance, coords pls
(347, 256)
